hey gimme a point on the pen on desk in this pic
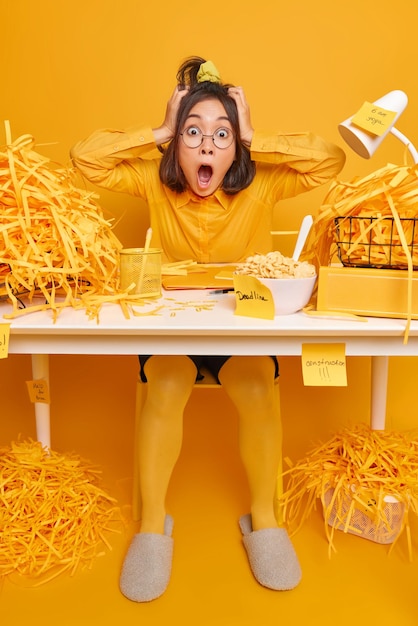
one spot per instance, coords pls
(216, 291)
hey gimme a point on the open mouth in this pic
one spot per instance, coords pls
(204, 175)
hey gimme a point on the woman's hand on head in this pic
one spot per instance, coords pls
(247, 131)
(165, 132)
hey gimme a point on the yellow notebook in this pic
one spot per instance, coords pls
(202, 277)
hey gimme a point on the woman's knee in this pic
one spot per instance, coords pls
(170, 378)
(249, 379)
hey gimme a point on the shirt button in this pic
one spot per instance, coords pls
(142, 139)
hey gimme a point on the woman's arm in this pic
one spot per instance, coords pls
(112, 158)
(303, 160)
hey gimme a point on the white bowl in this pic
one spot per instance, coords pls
(289, 294)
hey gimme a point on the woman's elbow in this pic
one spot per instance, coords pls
(339, 160)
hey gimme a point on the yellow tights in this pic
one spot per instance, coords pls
(249, 382)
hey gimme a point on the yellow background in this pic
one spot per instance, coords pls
(71, 66)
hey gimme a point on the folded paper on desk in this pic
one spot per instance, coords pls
(202, 277)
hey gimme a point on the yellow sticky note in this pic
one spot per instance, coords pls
(373, 119)
(365, 501)
(4, 340)
(324, 365)
(252, 299)
(38, 391)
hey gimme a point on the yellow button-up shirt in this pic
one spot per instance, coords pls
(220, 228)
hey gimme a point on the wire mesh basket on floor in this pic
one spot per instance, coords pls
(350, 516)
(374, 241)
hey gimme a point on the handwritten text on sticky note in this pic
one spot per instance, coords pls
(38, 391)
(324, 365)
(4, 340)
(252, 299)
(373, 119)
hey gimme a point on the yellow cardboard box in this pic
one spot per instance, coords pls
(367, 291)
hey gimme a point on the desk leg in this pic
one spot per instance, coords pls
(379, 375)
(40, 370)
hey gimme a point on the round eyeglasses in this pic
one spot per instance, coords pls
(193, 137)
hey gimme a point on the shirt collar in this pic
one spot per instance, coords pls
(187, 196)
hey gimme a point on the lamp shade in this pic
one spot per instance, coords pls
(363, 143)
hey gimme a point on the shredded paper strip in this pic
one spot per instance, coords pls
(54, 515)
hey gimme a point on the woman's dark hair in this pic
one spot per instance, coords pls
(242, 170)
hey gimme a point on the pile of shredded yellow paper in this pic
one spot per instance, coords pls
(360, 466)
(391, 191)
(54, 516)
(54, 240)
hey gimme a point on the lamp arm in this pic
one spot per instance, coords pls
(406, 142)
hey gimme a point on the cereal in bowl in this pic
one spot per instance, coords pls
(275, 265)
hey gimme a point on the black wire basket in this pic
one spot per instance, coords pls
(373, 241)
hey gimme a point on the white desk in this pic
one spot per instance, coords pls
(180, 326)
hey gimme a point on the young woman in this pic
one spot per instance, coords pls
(211, 182)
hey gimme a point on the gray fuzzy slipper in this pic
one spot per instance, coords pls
(147, 567)
(271, 555)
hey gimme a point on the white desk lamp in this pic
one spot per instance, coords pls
(364, 143)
